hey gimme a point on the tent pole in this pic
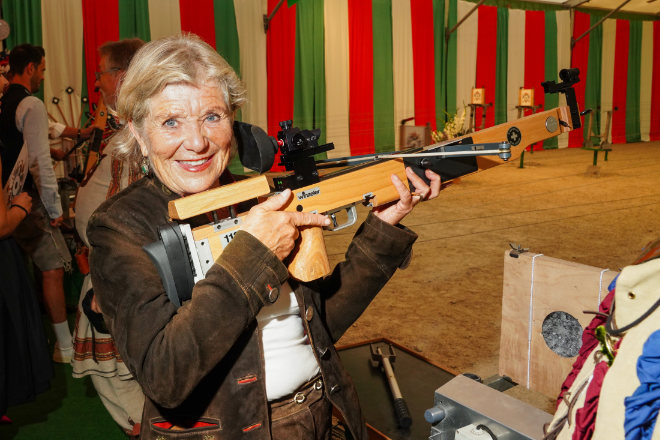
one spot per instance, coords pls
(449, 32)
(575, 40)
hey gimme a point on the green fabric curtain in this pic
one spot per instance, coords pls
(309, 93)
(450, 62)
(551, 67)
(25, 17)
(501, 63)
(383, 76)
(592, 81)
(633, 131)
(227, 45)
(440, 63)
(226, 33)
(134, 19)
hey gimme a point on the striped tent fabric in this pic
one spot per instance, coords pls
(356, 68)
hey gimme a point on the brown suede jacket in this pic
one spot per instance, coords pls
(201, 366)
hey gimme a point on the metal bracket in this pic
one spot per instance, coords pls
(268, 18)
(516, 250)
(351, 218)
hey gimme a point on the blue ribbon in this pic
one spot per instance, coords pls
(643, 406)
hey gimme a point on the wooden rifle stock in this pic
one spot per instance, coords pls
(368, 184)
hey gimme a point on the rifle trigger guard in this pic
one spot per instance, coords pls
(351, 218)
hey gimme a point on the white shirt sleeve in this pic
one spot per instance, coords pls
(32, 121)
(55, 129)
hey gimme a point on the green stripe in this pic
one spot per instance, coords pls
(24, 18)
(501, 62)
(440, 63)
(451, 61)
(309, 93)
(593, 79)
(226, 33)
(226, 44)
(633, 131)
(134, 19)
(551, 68)
(383, 76)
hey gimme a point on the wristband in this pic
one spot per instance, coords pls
(21, 208)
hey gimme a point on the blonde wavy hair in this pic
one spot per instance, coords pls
(178, 59)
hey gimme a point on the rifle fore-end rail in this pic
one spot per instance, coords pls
(522, 132)
(308, 261)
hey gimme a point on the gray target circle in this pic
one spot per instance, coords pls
(562, 334)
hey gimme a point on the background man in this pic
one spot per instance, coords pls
(24, 120)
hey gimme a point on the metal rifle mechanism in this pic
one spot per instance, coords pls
(183, 257)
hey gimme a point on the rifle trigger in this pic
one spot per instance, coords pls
(351, 218)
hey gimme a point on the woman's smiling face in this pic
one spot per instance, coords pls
(187, 136)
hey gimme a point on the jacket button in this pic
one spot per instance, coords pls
(324, 353)
(273, 294)
(309, 313)
(335, 389)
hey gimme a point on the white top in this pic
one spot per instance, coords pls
(55, 129)
(31, 114)
(95, 191)
(288, 355)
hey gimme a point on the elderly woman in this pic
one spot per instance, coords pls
(251, 354)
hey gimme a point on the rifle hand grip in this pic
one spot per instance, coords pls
(402, 414)
(309, 260)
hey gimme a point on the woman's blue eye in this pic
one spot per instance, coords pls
(213, 117)
(170, 123)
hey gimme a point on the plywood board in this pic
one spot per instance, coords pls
(537, 285)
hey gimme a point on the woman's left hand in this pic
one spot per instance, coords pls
(395, 212)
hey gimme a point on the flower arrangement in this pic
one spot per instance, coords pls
(454, 127)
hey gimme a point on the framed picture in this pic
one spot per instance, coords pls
(526, 97)
(414, 136)
(478, 96)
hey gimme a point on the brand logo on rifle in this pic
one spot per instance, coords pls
(514, 136)
(309, 193)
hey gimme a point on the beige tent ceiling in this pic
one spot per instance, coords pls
(648, 7)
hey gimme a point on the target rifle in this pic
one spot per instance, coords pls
(183, 255)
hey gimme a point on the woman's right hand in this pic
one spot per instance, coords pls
(23, 200)
(278, 230)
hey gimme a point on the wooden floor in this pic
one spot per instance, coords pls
(447, 305)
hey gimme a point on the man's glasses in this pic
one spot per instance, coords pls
(98, 75)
